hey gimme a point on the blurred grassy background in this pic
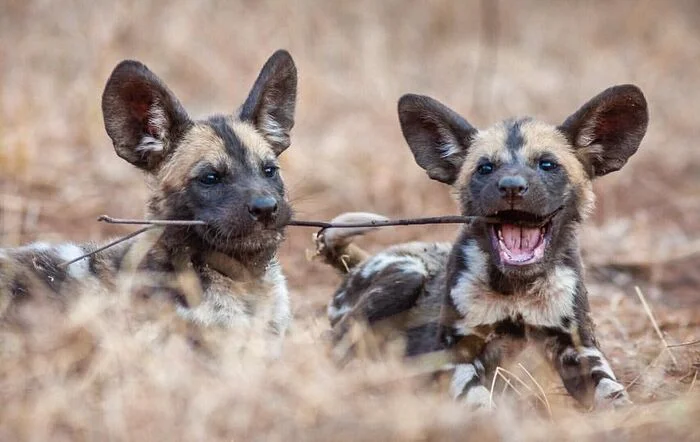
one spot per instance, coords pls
(488, 60)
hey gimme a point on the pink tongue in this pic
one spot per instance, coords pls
(520, 240)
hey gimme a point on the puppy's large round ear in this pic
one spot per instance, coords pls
(438, 136)
(141, 115)
(271, 102)
(608, 129)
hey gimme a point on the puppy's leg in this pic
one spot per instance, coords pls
(335, 247)
(584, 370)
(472, 381)
(468, 384)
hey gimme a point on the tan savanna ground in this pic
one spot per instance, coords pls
(92, 375)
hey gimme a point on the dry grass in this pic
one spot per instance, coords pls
(98, 376)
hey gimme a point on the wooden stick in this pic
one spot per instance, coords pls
(449, 219)
(106, 246)
(321, 224)
(152, 222)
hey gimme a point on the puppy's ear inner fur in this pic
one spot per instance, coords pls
(141, 115)
(270, 104)
(608, 129)
(438, 137)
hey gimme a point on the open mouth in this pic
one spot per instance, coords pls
(521, 238)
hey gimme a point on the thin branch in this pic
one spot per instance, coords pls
(448, 219)
(321, 224)
(683, 344)
(106, 246)
(152, 222)
(655, 324)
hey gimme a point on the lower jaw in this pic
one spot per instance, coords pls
(505, 259)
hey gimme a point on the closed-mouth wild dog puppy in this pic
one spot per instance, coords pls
(222, 170)
(503, 282)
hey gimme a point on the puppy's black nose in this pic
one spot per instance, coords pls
(262, 208)
(512, 186)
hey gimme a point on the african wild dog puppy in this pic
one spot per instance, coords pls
(504, 283)
(222, 170)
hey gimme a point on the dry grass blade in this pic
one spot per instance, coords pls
(539, 387)
(647, 309)
(692, 384)
(684, 344)
(499, 372)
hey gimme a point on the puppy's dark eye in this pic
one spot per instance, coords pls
(270, 170)
(210, 178)
(485, 168)
(548, 165)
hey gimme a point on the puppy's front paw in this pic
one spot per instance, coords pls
(611, 394)
(478, 398)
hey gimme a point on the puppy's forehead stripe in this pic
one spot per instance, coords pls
(233, 144)
(515, 139)
(200, 144)
(253, 141)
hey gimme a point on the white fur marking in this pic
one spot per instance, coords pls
(158, 122)
(383, 260)
(281, 311)
(478, 397)
(334, 313)
(603, 365)
(272, 130)
(68, 252)
(149, 144)
(462, 375)
(605, 393)
(36, 247)
(448, 149)
(413, 265)
(470, 280)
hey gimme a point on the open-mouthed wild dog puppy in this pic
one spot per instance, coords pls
(503, 282)
(222, 170)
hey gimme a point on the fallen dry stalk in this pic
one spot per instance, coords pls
(647, 309)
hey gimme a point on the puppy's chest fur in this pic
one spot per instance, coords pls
(546, 301)
(242, 300)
